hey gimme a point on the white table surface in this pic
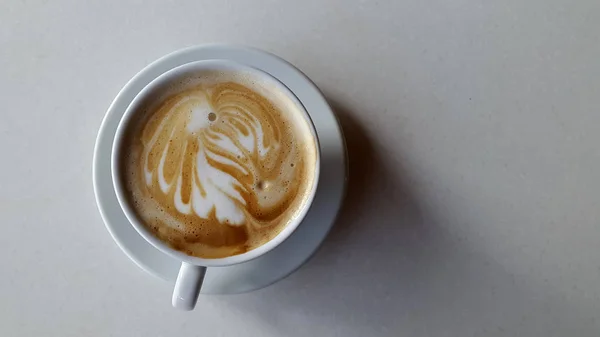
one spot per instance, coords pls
(475, 151)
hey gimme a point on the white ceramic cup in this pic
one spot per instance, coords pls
(191, 273)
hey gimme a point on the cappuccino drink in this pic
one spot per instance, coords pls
(218, 162)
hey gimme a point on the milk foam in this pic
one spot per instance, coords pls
(220, 151)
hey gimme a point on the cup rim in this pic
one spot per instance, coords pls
(120, 190)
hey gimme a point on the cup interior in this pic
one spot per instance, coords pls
(148, 96)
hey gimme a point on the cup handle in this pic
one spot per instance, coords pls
(187, 286)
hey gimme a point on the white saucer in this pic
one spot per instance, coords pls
(279, 262)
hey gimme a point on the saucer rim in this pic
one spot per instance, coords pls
(195, 53)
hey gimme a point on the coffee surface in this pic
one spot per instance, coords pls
(219, 163)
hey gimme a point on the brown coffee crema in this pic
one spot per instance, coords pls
(215, 168)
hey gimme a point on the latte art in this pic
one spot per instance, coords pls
(217, 168)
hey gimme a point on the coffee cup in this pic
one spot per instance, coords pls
(214, 163)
